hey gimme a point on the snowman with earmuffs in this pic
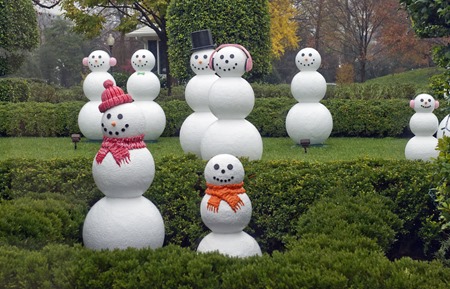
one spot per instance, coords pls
(99, 62)
(231, 99)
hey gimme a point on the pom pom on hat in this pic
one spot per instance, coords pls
(113, 96)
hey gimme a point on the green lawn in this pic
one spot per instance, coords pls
(335, 149)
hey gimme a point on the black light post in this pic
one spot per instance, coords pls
(110, 42)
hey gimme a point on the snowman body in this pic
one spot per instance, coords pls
(308, 119)
(89, 118)
(144, 86)
(444, 127)
(226, 209)
(231, 99)
(123, 170)
(197, 97)
(423, 125)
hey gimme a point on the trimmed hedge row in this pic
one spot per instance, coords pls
(363, 118)
(279, 190)
(339, 243)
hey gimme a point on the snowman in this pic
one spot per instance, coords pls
(99, 62)
(444, 127)
(231, 99)
(226, 209)
(123, 170)
(144, 86)
(423, 125)
(195, 125)
(308, 119)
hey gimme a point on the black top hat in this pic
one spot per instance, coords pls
(202, 39)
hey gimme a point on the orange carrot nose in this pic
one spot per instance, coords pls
(306, 59)
(200, 62)
(113, 123)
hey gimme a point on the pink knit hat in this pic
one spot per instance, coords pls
(113, 96)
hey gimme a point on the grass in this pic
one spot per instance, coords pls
(334, 149)
(415, 76)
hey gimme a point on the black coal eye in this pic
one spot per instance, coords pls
(196, 56)
(143, 56)
(231, 56)
(99, 57)
(421, 100)
(119, 116)
(216, 167)
(230, 167)
(310, 54)
(205, 56)
(429, 100)
(108, 116)
(303, 54)
(222, 57)
(93, 57)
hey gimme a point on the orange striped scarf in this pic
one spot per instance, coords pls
(119, 148)
(227, 193)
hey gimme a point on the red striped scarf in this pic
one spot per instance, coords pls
(119, 148)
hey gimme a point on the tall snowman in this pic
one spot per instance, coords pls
(89, 118)
(144, 86)
(423, 125)
(197, 89)
(226, 209)
(308, 119)
(231, 99)
(123, 170)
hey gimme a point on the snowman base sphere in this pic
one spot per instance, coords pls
(240, 245)
(422, 148)
(236, 137)
(444, 127)
(114, 223)
(128, 180)
(155, 119)
(311, 121)
(193, 129)
(89, 120)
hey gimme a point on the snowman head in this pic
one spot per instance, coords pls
(200, 61)
(121, 118)
(308, 59)
(231, 60)
(143, 60)
(224, 169)
(99, 60)
(424, 103)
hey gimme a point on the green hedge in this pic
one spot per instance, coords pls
(363, 118)
(279, 190)
(338, 241)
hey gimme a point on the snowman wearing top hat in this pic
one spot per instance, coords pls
(197, 89)
(123, 170)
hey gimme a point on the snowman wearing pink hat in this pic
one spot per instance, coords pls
(123, 170)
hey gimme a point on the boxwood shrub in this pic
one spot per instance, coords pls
(351, 117)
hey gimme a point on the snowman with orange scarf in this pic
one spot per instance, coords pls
(226, 209)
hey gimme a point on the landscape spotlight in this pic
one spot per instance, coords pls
(305, 143)
(75, 139)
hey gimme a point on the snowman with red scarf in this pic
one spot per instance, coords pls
(123, 170)
(226, 209)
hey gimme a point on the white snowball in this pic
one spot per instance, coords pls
(143, 86)
(98, 60)
(224, 169)
(444, 127)
(200, 62)
(422, 148)
(197, 92)
(311, 121)
(128, 180)
(125, 120)
(237, 137)
(155, 119)
(424, 103)
(231, 98)
(193, 129)
(121, 223)
(308, 86)
(308, 59)
(89, 121)
(143, 60)
(423, 124)
(93, 84)
(230, 61)
(239, 245)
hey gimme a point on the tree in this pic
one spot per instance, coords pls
(231, 21)
(283, 27)
(18, 33)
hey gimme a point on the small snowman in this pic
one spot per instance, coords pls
(444, 127)
(197, 97)
(144, 86)
(226, 209)
(123, 170)
(308, 119)
(99, 62)
(423, 125)
(231, 99)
